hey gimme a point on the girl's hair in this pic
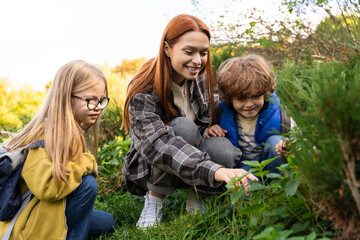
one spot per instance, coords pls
(243, 77)
(157, 73)
(55, 121)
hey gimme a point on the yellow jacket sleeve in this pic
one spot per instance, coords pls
(37, 174)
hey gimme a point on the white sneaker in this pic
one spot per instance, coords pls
(151, 213)
(195, 203)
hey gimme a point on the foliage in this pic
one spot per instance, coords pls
(118, 78)
(324, 101)
(220, 53)
(287, 36)
(110, 126)
(129, 67)
(273, 211)
(17, 106)
(110, 158)
(342, 34)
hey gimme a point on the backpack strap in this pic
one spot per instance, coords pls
(37, 144)
(25, 197)
(285, 122)
(218, 111)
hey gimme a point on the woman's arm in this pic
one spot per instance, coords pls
(158, 145)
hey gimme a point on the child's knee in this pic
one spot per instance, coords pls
(273, 140)
(89, 186)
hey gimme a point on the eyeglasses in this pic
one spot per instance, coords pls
(92, 103)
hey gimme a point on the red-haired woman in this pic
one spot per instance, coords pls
(167, 109)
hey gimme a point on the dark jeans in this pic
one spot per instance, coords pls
(82, 220)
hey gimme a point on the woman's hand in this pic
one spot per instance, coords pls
(226, 174)
(215, 131)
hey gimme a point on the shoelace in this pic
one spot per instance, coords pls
(149, 210)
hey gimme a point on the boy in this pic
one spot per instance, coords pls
(249, 115)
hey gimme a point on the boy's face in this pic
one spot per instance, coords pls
(248, 107)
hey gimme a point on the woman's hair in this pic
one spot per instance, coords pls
(55, 121)
(243, 77)
(157, 73)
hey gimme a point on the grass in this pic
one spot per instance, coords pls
(278, 210)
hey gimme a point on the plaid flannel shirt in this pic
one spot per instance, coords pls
(155, 144)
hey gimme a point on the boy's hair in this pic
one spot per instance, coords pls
(243, 77)
(55, 121)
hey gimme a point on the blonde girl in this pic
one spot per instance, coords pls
(62, 174)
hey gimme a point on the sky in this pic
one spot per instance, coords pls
(38, 36)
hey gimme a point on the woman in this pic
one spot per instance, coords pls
(167, 111)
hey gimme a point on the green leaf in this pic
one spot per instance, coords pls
(273, 175)
(256, 208)
(291, 186)
(311, 236)
(281, 212)
(251, 163)
(114, 152)
(266, 162)
(113, 162)
(257, 186)
(298, 227)
(283, 234)
(296, 238)
(253, 221)
(268, 233)
(236, 195)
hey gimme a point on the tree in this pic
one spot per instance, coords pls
(290, 32)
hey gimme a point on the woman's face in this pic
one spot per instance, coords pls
(188, 55)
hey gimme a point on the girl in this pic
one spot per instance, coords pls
(167, 111)
(62, 174)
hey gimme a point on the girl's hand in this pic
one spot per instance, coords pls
(95, 173)
(226, 174)
(215, 131)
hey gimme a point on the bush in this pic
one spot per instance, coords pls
(324, 101)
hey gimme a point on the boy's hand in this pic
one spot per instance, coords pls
(226, 174)
(215, 131)
(280, 148)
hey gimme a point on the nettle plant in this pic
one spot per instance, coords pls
(110, 158)
(276, 207)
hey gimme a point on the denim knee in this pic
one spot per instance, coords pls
(100, 223)
(273, 140)
(88, 187)
(187, 129)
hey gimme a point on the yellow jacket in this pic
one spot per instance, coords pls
(44, 216)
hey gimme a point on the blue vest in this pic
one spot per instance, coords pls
(268, 124)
